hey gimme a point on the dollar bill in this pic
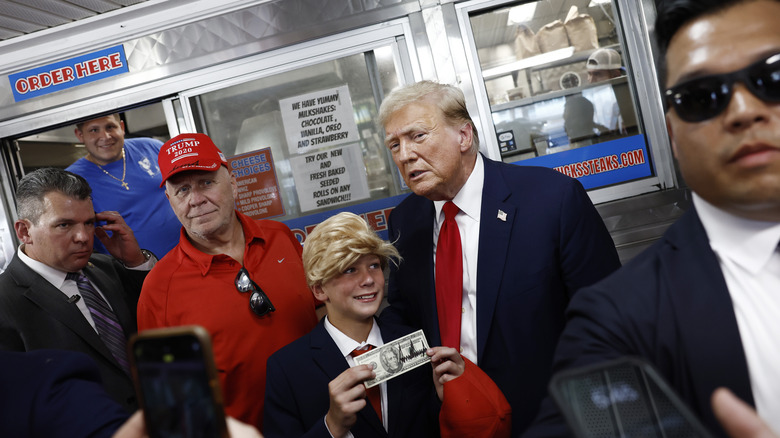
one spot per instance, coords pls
(395, 357)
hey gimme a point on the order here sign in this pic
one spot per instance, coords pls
(69, 73)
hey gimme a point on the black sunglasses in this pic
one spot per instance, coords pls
(704, 98)
(258, 301)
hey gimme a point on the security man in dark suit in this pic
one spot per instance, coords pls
(57, 294)
(702, 303)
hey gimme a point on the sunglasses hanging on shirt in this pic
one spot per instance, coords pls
(706, 97)
(258, 300)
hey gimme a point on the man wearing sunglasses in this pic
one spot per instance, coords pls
(702, 304)
(242, 279)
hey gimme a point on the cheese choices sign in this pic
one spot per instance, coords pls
(258, 191)
(69, 73)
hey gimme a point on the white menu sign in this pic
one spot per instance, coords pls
(330, 178)
(318, 120)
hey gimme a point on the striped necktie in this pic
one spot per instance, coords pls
(106, 322)
(374, 395)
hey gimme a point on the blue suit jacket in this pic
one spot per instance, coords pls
(297, 399)
(51, 393)
(670, 305)
(552, 243)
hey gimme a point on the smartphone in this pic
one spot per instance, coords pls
(624, 398)
(177, 384)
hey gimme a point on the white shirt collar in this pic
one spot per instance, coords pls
(346, 344)
(746, 242)
(53, 276)
(469, 198)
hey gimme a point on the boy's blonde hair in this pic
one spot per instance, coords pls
(337, 243)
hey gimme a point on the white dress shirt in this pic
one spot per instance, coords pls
(69, 287)
(346, 346)
(469, 201)
(749, 259)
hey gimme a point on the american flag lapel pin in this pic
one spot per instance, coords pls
(502, 215)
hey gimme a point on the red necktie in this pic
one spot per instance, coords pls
(373, 393)
(449, 278)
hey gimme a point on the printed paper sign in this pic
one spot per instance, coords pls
(258, 191)
(318, 120)
(330, 178)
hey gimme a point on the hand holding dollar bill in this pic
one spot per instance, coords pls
(395, 357)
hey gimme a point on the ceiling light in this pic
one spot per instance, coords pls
(522, 13)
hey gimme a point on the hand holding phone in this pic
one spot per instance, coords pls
(134, 428)
(624, 398)
(177, 383)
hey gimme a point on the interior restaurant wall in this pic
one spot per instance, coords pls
(165, 57)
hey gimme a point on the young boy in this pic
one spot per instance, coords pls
(344, 261)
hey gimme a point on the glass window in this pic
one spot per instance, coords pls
(59, 147)
(556, 83)
(316, 125)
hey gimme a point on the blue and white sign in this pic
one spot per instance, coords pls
(69, 73)
(376, 214)
(602, 164)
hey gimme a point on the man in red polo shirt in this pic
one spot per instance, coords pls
(242, 279)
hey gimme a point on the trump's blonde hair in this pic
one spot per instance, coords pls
(448, 98)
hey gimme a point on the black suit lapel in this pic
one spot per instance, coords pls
(325, 352)
(55, 303)
(417, 233)
(329, 359)
(709, 330)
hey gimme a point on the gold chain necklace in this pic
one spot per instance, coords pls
(124, 171)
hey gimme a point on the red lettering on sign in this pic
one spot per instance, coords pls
(34, 83)
(22, 86)
(94, 66)
(67, 74)
(45, 79)
(299, 234)
(56, 76)
(81, 69)
(116, 60)
(373, 218)
(104, 63)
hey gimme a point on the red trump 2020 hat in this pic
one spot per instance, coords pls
(189, 152)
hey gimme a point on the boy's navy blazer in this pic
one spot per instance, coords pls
(297, 399)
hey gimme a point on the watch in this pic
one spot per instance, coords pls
(147, 255)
